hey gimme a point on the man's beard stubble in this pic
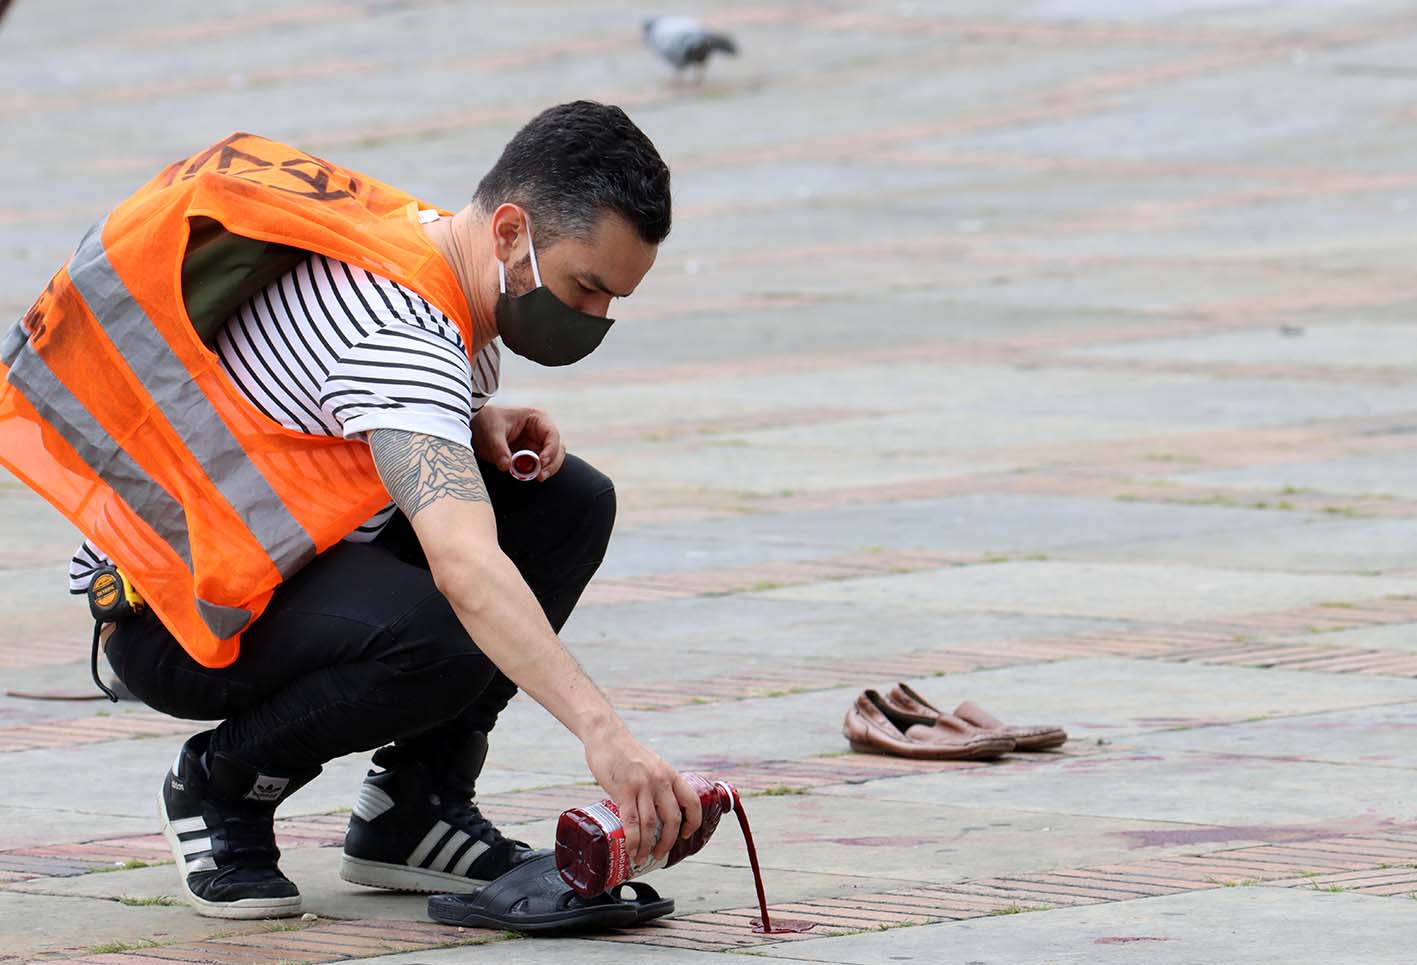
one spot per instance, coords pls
(520, 280)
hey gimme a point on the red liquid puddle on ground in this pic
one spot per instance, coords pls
(783, 926)
(764, 925)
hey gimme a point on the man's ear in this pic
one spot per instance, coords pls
(508, 230)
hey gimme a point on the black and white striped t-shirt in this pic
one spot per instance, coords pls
(333, 350)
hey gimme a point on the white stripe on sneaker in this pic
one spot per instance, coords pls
(465, 862)
(184, 825)
(429, 842)
(196, 846)
(445, 854)
(371, 802)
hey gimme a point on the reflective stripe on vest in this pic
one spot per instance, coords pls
(166, 380)
(149, 501)
(187, 410)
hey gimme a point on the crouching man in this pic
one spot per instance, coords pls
(259, 389)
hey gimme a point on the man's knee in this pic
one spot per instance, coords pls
(590, 499)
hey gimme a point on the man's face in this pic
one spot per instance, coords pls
(586, 275)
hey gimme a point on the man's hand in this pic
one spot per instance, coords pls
(498, 431)
(649, 793)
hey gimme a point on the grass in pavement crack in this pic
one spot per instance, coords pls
(150, 900)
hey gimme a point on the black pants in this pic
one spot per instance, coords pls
(360, 649)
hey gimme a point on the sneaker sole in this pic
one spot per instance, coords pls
(244, 908)
(402, 877)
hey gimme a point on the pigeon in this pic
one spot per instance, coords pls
(685, 43)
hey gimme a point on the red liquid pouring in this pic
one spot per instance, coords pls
(764, 925)
(591, 854)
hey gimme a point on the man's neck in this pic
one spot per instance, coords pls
(462, 241)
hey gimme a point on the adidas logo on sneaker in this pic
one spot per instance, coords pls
(267, 788)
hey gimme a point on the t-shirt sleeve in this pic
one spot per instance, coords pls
(403, 376)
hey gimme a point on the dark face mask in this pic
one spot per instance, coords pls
(541, 327)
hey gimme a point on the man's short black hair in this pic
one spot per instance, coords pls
(574, 162)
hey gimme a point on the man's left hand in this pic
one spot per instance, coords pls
(500, 430)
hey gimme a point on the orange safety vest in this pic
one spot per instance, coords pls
(114, 409)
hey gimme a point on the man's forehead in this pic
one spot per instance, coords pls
(612, 260)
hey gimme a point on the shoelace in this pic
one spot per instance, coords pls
(465, 815)
(250, 840)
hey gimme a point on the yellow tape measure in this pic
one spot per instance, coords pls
(112, 599)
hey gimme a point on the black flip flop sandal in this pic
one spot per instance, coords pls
(533, 898)
(646, 901)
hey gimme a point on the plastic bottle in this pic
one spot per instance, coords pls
(590, 841)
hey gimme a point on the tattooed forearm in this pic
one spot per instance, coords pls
(419, 470)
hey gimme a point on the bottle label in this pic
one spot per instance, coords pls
(607, 815)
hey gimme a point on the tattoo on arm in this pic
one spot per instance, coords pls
(419, 470)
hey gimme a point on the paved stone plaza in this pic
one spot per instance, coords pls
(1055, 354)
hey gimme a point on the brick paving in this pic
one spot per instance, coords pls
(1382, 864)
(126, 725)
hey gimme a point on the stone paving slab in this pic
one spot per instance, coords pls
(41, 822)
(47, 924)
(1394, 473)
(1397, 638)
(1370, 735)
(986, 523)
(641, 554)
(69, 677)
(41, 537)
(1363, 344)
(1291, 543)
(1101, 590)
(621, 640)
(1252, 925)
(41, 611)
(1220, 789)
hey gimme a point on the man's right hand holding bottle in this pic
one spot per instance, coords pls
(656, 805)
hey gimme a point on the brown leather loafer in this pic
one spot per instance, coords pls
(910, 705)
(906, 703)
(872, 727)
(1039, 737)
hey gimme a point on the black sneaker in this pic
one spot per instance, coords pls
(417, 829)
(219, 821)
